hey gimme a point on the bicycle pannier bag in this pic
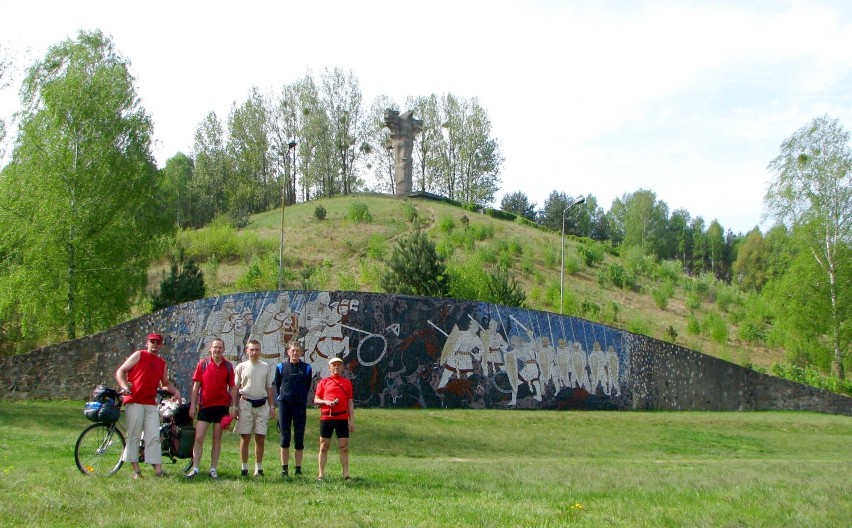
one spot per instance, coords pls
(101, 412)
(185, 439)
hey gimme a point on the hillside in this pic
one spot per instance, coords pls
(338, 253)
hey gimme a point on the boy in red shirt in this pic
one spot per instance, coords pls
(214, 396)
(337, 414)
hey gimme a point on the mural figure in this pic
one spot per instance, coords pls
(579, 376)
(276, 327)
(231, 326)
(324, 338)
(614, 387)
(562, 369)
(494, 347)
(460, 349)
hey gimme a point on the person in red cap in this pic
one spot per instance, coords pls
(337, 415)
(139, 377)
(214, 396)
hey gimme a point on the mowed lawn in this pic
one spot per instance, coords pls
(430, 468)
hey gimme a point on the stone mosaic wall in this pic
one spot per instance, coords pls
(422, 352)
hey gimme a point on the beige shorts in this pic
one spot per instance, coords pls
(253, 419)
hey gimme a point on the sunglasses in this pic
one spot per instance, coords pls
(155, 341)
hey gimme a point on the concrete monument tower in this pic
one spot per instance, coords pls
(403, 128)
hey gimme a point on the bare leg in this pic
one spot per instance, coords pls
(325, 443)
(217, 445)
(299, 453)
(198, 448)
(244, 447)
(343, 446)
(285, 456)
(259, 445)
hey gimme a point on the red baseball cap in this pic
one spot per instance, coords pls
(155, 337)
(226, 421)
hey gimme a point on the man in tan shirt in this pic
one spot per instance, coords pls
(254, 378)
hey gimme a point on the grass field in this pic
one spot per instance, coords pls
(430, 468)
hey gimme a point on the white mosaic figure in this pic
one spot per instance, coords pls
(579, 376)
(460, 349)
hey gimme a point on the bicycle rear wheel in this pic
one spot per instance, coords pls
(99, 450)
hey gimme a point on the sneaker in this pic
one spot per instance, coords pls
(298, 471)
(136, 475)
(213, 474)
(192, 474)
(284, 473)
(244, 473)
(258, 473)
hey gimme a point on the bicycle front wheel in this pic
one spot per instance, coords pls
(99, 450)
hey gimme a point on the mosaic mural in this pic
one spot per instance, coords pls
(421, 352)
(414, 351)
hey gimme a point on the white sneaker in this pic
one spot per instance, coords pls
(213, 474)
(192, 473)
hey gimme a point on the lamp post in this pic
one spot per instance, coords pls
(562, 267)
(291, 147)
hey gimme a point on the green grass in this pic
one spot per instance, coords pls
(463, 468)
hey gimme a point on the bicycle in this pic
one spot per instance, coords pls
(100, 447)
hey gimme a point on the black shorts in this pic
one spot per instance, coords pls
(341, 427)
(213, 414)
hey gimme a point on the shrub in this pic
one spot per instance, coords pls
(620, 277)
(692, 324)
(502, 215)
(502, 288)
(409, 212)
(813, 377)
(377, 247)
(638, 325)
(320, 212)
(359, 213)
(415, 268)
(591, 254)
(482, 231)
(750, 332)
(670, 270)
(662, 294)
(184, 283)
(348, 281)
(487, 255)
(715, 327)
(572, 264)
(446, 224)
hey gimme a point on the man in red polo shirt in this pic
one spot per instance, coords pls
(139, 377)
(337, 415)
(214, 396)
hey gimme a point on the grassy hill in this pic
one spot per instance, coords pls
(346, 251)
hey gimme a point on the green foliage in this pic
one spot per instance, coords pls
(715, 327)
(409, 212)
(500, 215)
(319, 212)
(592, 254)
(662, 294)
(637, 262)
(572, 264)
(618, 276)
(692, 324)
(638, 325)
(467, 280)
(377, 247)
(751, 333)
(184, 283)
(809, 375)
(518, 204)
(482, 232)
(359, 213)
(415, 268)
(262, 274)
(348, 282)
(693, 300)
(502, 288)
(222, 240)
(446, 224)
(670, 270)
(80, 212)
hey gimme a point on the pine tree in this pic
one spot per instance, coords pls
(415, 268)
(182, 285)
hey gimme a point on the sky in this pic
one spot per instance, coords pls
(688, 99)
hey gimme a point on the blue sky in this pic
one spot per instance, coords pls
(688, 99)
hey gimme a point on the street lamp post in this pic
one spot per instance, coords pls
(291, 147)
(562, 267)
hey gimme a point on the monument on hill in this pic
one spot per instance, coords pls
(403, 128)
